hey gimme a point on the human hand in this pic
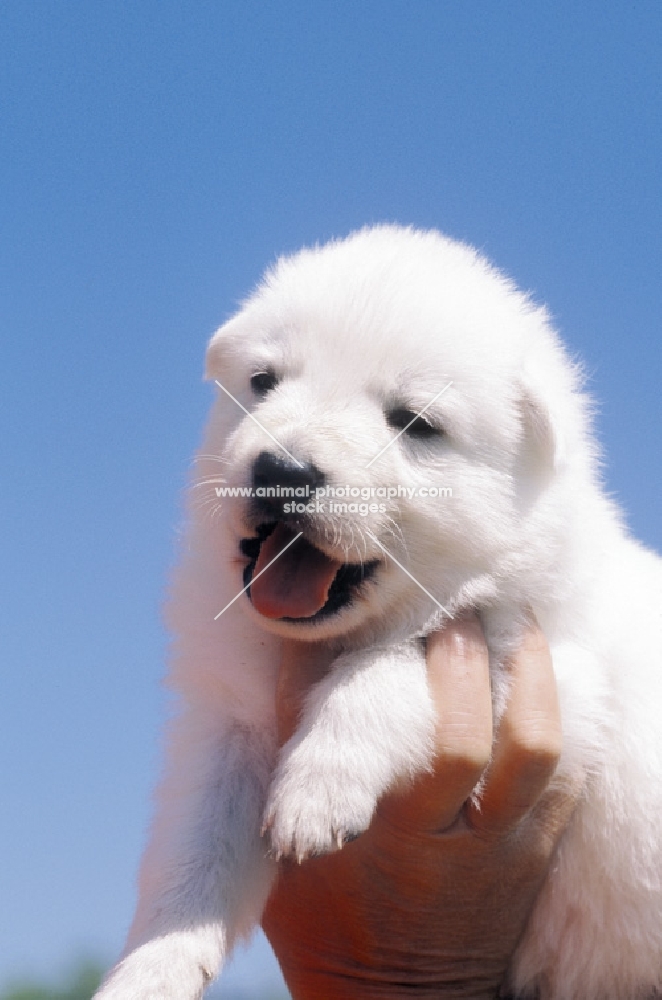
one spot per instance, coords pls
(434, 896)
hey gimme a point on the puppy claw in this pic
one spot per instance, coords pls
(349, 837)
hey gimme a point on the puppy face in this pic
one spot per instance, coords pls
(373, 399)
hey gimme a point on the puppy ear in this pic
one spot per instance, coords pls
(216, 351)
(543, 443)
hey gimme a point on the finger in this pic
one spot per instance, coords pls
(302, 665)
(554, 809)
(458, 677)
(528, 742)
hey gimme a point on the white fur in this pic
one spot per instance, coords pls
(390, 316)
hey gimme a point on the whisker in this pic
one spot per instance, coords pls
(211, 458)
(395, 532)
(206, 481)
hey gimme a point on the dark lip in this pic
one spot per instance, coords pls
(349, 577)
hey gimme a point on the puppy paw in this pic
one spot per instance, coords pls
(171, 967)
(310, 812)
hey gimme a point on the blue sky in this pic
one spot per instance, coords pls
(155, 156)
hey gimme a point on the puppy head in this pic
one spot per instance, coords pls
(385, 399)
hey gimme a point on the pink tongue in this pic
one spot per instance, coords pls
(297, 584)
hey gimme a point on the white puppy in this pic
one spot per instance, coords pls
(490, 499)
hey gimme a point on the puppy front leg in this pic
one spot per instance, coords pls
(204, 877)
(369, 722)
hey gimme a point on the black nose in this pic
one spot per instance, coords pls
(270, 470)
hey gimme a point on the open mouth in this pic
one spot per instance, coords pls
(301, 582)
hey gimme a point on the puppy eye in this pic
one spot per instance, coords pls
(263, 382)
(408, 421)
